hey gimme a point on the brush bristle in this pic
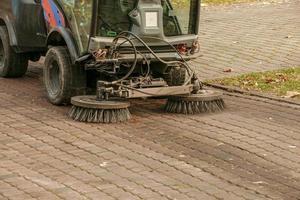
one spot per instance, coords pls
(194, 107)
(92, 115)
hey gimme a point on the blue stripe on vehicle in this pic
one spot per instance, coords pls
(56, 14)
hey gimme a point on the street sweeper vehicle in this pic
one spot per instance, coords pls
(101, 53)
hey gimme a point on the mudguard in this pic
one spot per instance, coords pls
(10, 28)
(60, 32)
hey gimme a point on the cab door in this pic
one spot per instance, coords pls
(29, 24)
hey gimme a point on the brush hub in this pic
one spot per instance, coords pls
(205, 101)
(93, 103)
(202, 95)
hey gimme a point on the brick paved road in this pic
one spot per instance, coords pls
(249, 152)
(249, 38)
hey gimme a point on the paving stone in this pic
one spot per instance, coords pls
(246, 38)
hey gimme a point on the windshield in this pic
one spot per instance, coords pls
(179, 17)
(113, 16)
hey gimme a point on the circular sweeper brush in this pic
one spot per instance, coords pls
(89, 109)
(205, 101)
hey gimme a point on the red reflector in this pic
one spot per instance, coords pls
(182, 49)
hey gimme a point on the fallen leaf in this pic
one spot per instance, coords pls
(104, 164)
(259, 182)
(228, 70)
(282, 77)
(245, 82)
(269, 80)
(266, 3)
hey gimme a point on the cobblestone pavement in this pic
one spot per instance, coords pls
(250, 151)
(249, 38)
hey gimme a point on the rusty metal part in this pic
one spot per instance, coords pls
(195, 47)
(100, 54)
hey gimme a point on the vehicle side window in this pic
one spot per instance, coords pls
(79, 14)
(179, 17)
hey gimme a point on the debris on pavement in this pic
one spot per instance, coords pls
(228, 70)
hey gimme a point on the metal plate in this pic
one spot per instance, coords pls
(91, 102)
(160, 91)
(202, 95)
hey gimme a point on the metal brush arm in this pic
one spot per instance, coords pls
(158, 91)
(106, 90)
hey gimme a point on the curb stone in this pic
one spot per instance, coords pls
(252, 93)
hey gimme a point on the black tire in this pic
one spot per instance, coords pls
(12, 64)
(175, 76)
(62, 80)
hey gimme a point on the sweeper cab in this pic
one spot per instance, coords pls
(100, 53)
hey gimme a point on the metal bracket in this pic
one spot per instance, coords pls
(105, 90)
(159, 91)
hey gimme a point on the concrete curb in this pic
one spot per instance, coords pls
(252, 93)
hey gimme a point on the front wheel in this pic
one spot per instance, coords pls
(61, 78)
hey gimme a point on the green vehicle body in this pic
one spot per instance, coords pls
(84, 27)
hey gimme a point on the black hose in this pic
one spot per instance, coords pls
(127, 39)
(134, 62)
(146, 60)
(183, 62)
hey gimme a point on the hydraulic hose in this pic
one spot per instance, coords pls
(183, 62)
(134, 62)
